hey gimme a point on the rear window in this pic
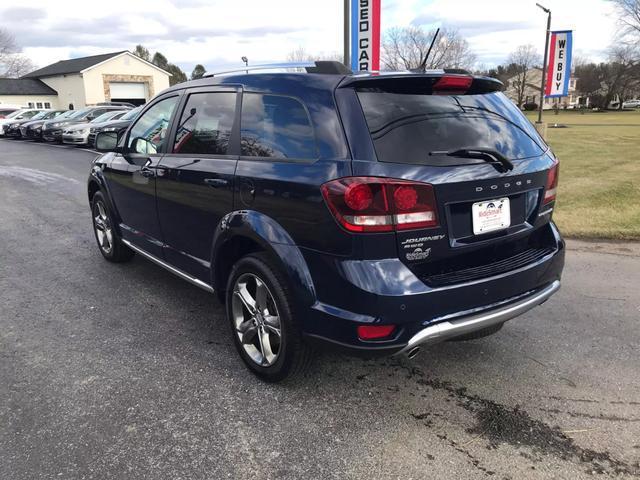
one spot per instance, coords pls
(418, 128)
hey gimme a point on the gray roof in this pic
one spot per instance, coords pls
(25, 86)
(75, 65)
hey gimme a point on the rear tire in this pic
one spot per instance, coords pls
(485, 332)
(260, 310)
(109, 244)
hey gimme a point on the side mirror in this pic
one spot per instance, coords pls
(107, 141)
(144, 146)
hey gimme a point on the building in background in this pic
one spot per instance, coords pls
(79, 82)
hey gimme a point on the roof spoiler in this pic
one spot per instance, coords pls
(412, 80)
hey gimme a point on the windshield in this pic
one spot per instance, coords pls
(41, 115)
(420, 128)
(131, 114)
(64, 115)
(106, 116)
(79, 114)
(14, 114)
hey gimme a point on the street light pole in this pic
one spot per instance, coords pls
(544, 61)
(346, 38)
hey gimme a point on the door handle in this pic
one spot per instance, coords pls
(216, 182)
(147, 172)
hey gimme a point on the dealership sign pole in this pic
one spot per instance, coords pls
(365, 35)
(539, 125)
(559, 69)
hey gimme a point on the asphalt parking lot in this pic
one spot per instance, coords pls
(124, 371)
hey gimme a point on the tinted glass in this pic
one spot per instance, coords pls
(407, 127)
(152, 127)
(131, 114)
(205, 126)
(277, 127)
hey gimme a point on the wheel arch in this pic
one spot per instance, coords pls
(246, 231)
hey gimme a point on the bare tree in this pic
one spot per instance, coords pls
(524, 58)
(628, 17)
(300, 54)
(13, 64)
(405, 48)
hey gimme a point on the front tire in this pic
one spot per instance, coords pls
(260, 310)
(111, 247)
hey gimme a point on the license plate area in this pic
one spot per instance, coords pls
(491, 215)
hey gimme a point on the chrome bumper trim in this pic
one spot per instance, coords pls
(470, 323)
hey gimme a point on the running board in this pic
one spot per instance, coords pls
(166, 266)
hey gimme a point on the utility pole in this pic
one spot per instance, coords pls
(346, 34)
(544, 61)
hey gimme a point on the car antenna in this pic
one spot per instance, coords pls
(423, 65)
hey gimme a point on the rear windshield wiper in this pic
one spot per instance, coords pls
(502, 163)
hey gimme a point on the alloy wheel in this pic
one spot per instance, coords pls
(256, 319)
(102, 226)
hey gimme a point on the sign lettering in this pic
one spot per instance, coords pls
(559, 66)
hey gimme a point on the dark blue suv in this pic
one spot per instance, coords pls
(375, 213)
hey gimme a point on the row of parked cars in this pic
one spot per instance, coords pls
(75, 127)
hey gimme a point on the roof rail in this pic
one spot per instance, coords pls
(319, 66)
(270, 66)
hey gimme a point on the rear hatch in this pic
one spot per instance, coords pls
(488, 168)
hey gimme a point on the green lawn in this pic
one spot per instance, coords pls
(599, 192)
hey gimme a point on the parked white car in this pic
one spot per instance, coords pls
(78, 134)
(24, 114)
(631, 104)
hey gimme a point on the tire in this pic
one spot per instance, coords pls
(109, 244)
(277, 356)
(485, 332)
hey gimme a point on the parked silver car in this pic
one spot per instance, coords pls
(79, 134)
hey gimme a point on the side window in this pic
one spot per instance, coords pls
(150, 130)
(277, 127)
(205, 125)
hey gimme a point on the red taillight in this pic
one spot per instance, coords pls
(448, 84)
(375, 332)
(372, 204)
(552, 183)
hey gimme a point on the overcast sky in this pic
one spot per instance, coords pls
(219, 32)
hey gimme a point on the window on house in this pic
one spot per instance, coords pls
(39, 105)
(47, 105)
(30, 104)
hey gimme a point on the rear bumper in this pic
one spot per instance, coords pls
(385, 292)
(468, 322)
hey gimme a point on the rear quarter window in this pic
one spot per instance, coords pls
(409, 128)
(275, 126)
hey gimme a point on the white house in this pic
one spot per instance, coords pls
(80, 82)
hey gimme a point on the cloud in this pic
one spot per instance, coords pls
(14, 14)
(221, 31)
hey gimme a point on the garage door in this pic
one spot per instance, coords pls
(128, 90)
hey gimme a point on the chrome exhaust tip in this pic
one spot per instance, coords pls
(413, 352)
